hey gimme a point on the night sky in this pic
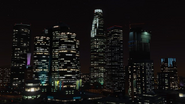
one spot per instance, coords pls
(164, 18)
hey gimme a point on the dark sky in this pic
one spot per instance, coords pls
(165, 18)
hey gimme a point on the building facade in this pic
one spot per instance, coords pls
(168, 78)
(20, 48)
(4, 79)
(114, 74)
(140, 68)
(41, 60)
(65, 65)
(97, 65)
(31, 93)
(140, 78)
(85, 78)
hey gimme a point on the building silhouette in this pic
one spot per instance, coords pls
(114, 74)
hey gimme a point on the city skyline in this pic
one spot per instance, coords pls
(165, 22)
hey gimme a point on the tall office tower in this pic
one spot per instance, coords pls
(20, 48)
(41, 60)
(168, 78)
(65, 66)
(98, 40)
(114, 74)
(140, 67)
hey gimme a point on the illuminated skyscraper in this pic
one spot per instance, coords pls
(20, 48)
(65, 66)
(98, 40)
(41, 60)
(140, 67)
(168, 78)
(114, 75)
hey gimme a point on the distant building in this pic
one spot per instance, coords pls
(97, 66)
(41, 60)
(4, 79)
(140, 73)
(20, 48)
(114, 74)
(168, 78)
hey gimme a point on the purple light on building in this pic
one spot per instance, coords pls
(28, 59)
(181, 84)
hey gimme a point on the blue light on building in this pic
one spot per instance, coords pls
(76, 97)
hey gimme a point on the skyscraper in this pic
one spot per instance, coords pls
(41, 60)
(65, 66)
(97, 67)
(20, 48)
(168, 78)
(114, 74)
(140, 68)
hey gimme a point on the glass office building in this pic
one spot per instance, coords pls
(97, 67)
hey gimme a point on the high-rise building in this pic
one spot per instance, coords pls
(20, 48)
(168, 78)
(65, 66)
(114, 74)
(41, 60)
(140, 68)
(97, 67)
